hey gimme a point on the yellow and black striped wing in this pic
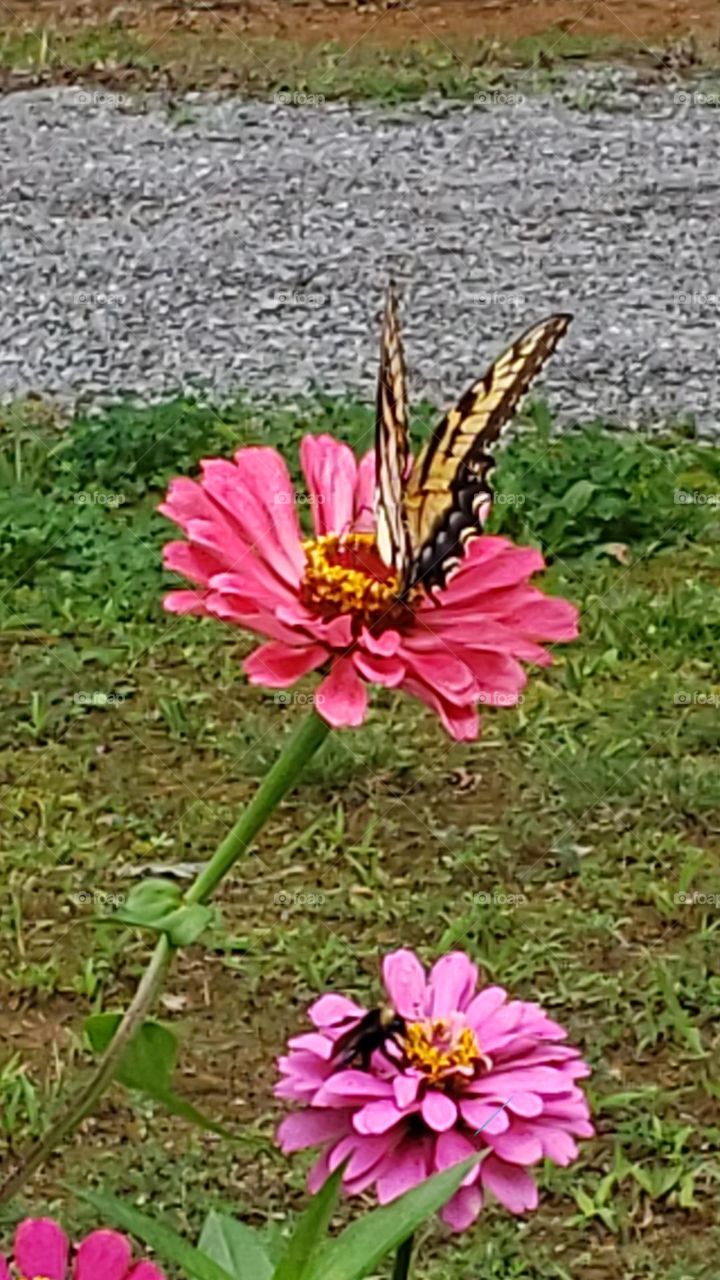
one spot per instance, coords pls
(448, 493)
(391, 445)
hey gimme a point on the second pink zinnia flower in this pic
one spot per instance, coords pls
(329, 602)
(471, 1072)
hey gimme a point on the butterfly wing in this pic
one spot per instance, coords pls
(391, 445)
(448, 493)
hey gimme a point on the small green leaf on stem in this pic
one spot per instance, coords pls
(235, 1246)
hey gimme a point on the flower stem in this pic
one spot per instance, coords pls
(281, 778)
(401, 1269)
(309, 735)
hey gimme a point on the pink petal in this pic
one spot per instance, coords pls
(342, 697)
(514, 1188)
(377, 1117)
(332, 1009)
(364, 516)
(185, 602)
(405, 1089)
(384, 645)
(463, 1208)
(525, 1104)
(4, 1269)
(103, 1255)
(331, 472)
(319, 1173)
(311, 1128)
(404, 979)
(558, 1146)
(389, 672)
(353, 1086)
(146, 1271)
(452, 984)
(461, 721)
(519, 1145)
(263, 472)
(483, 1117)
(191, 562)
(502, 565)
(277, 665)
(452, 1148)
(438, 1111)
(534, 1080)
(407, 1167)
(486, 1003)
(41, 1249)
(313, 1042)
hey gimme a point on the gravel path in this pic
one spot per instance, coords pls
(247, 244)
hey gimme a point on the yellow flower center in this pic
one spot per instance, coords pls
(440, 1049)
(344, 574)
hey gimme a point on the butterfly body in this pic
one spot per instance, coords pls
(429, 509)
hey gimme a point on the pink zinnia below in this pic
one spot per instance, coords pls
(41, 1252)
(476, 1072)
(330, 603)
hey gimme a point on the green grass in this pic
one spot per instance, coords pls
(555, 850)
(120, 59)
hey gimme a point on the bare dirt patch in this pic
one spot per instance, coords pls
(632, 22)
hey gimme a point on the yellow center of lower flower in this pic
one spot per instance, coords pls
(344, 574)
(439, 1049)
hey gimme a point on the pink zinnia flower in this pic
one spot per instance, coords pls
(41, 1252)
(472, 1072)
(329, 602)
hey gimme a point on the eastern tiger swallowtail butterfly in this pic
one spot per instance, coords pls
(427, 512)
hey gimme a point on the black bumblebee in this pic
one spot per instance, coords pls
(374, 1031)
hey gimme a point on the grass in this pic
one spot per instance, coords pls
(117, 58)
(572, 850)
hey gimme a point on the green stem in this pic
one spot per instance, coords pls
(309, 735)
(401, 1270)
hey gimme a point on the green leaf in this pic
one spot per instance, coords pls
(310, 1230)
(584, 1202)
(158, 905)
(167, 1243)
(150, 902)
(148, 1063)
(578, 496)
(235, 1246)
(361, 1246)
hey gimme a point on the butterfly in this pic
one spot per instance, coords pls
(428, 512)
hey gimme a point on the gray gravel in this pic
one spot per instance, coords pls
(248, 244)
